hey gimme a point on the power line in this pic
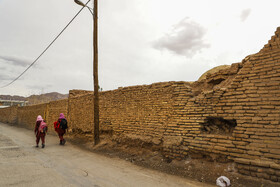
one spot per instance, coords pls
(46, 47)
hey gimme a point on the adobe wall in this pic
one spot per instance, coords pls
(231, 115)
(237, 121)
(53, 110)
(80, 112)
(27, 115)
(8, 115)
(137, 111)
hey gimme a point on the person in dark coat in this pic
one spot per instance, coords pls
(60, 127)
(40, 131)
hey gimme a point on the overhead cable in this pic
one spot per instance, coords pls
(46, 48)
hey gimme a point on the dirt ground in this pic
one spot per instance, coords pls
(195, 169)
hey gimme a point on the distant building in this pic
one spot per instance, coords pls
(8, 103)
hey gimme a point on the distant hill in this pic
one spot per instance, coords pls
(37, 99)
(45, 98)
(15, 97)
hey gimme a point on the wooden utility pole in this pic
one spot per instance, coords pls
(95, 74)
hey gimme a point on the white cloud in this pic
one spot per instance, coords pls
(244, 14)
(16, 61)
(213, 35)
(186, 38)
(4, 77)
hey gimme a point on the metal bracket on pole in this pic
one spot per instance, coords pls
(85, 5)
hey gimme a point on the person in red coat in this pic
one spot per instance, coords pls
(60, 127)
(40, 131)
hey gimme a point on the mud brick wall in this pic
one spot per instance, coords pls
(250, 103)
(136, 112)
(259, 81)
(230, 116)
(80, 112)
(27, 115)
(53, 110)
(8, 115)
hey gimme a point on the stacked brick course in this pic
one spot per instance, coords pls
(231, 115)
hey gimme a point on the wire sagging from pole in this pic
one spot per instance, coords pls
(46, 48)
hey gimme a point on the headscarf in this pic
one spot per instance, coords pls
(61, 116)
(39, 118)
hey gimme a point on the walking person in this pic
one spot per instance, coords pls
(60, 127)
(40, 130)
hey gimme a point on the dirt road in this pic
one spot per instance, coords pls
(22, 164)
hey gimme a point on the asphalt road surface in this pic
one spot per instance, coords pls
(22, 164)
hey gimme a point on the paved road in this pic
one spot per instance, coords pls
(21, 164)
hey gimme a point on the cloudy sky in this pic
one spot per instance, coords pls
(140, 41)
